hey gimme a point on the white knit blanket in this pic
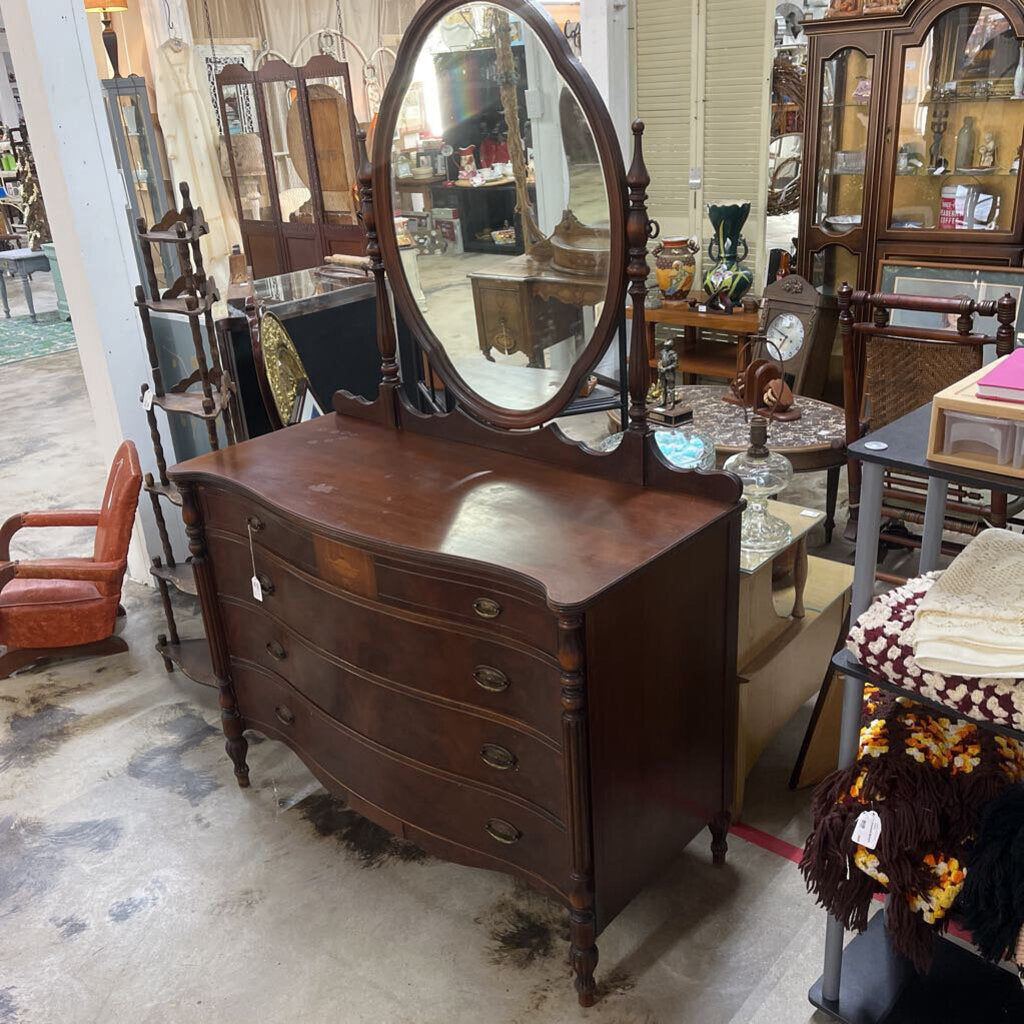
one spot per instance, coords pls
(971, 622)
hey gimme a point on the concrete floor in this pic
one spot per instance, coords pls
(138, 883)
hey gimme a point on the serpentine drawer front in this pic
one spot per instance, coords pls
(514, 665)
(481, 819)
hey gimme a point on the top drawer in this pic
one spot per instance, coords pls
(489, 603)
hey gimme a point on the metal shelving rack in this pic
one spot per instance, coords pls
(208, 394)
(867, 983)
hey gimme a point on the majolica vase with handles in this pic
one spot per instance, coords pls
(675, 266)
(728, 278)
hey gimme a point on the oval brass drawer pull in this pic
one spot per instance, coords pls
(491, 679)
(487, 608)
(275, 650)
(285, 714)
(499, 758)
(502, 831)
(254, 523)
(266, 584)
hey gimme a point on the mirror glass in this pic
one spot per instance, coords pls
(501, 210)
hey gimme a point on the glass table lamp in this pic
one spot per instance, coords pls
(764, 473)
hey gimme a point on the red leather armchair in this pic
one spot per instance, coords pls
(65, 607)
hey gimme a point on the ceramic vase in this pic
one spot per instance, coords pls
(675, 265)
(728, 277)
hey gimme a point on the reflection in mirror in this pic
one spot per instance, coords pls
(501, 208)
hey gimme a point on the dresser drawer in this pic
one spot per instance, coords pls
(429, 657)
(470, 744)
(475, 602)
(496, 826)
(234, 514)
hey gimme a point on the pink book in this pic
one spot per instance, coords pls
(1005, 382)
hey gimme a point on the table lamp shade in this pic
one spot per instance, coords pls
(105, 6)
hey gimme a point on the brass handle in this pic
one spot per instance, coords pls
(490, 679)
(266, 584)
(499, 758)
(275, 650)
(502, 831)
(285, 714)
(255, 523)
(487, 608)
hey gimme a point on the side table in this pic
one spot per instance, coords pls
(698, 357)
(866, 983)
(22, 262)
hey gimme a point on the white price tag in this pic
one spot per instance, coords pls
(868, 830)
(257, 590)
(147, 401)
(811, 513)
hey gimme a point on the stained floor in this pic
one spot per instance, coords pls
(137, 883)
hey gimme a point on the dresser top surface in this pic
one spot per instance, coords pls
(574, 534)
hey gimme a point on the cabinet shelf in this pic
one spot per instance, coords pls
(179, 576)
(193, 658)
(168, 491)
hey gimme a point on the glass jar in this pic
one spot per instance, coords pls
(764, 474)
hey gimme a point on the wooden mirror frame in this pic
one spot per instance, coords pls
(576, 78)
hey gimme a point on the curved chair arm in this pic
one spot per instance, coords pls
(72, 569)
(56, 517)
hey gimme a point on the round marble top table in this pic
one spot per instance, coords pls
(816, 441)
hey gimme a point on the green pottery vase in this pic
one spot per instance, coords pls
(728, 278)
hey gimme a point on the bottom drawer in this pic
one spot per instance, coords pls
(496, 826)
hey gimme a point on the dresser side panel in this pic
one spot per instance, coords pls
(662, 705)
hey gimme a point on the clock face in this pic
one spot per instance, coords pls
(786, 332)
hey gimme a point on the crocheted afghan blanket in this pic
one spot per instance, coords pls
(928, 779)
(880, 642)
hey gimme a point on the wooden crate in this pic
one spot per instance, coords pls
(963, 397)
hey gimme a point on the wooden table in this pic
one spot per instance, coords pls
(23, 262)
(700, 357)
(814, 442)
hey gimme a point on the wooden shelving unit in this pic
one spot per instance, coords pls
(207, 394)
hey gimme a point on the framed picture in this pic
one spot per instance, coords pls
(306, 407)
(951, 280)
(240, 106)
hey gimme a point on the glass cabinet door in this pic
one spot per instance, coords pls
(960, 126)
(844, 120)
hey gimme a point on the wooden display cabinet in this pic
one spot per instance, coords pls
(890, 169)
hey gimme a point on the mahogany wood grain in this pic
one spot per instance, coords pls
(489, 750)
(398, 492)
(426, 655)
(661, 755)
(427, 798)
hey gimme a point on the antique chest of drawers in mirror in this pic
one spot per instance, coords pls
(512, 651)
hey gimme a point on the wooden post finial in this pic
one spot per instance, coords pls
(639, 230)
(1006, 314)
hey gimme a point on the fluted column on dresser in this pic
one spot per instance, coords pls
(576, 749)
(231, 720)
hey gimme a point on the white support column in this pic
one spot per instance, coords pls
(8, 104)
(85, 203)
(604, 27)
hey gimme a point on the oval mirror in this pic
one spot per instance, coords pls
(497, 164)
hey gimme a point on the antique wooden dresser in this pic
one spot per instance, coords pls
(516, 653)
